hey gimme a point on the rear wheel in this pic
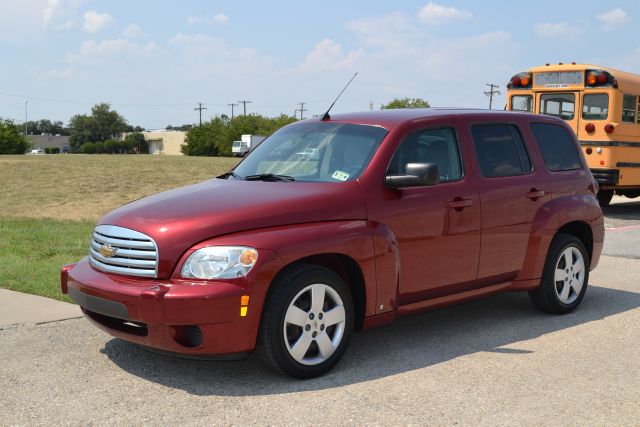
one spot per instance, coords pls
(604, 197)
(565, 277)
(307, 323)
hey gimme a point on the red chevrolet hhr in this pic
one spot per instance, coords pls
(396, 212)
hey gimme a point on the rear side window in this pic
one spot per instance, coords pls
(500, 149)
(521, 103)
(438, 146)
(629, 108)
(557, 146)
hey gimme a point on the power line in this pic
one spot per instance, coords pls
(199, 108)
(301, 109)
(493, 90)
(244, 106)
(232, 105)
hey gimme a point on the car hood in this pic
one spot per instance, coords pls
(180, 218)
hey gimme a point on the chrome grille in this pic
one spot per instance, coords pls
(136, 253)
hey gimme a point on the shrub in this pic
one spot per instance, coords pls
(89, 148)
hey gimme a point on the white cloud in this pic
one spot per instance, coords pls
(111, 48)
(614, 18)
(94, 21)
(434, 13)
(220, 18)
(133, 31)
(557, 30)
(61, 15)
(328, 55)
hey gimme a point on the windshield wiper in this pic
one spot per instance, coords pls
(226, 175)
(269, 177)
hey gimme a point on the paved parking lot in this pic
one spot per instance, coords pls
(495, 361)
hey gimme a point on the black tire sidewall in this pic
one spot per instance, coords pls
(279, 303)
(561, 243)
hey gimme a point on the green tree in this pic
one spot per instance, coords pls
(102, 124)
(12, 139)
(135, 142)
(215, 138)
(205, 140)
(405, 103)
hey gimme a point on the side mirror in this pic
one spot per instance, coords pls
(417, 175)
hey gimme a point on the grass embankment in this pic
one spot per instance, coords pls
(49, 205)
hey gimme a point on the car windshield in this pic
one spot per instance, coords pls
(312, 152)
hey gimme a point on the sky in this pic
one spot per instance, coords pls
(153, 61)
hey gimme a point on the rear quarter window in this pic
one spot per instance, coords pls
(558, 149)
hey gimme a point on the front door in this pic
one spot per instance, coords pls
(565, 105)
(437, 228)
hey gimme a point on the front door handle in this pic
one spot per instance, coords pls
(459, 203)
(534, 194)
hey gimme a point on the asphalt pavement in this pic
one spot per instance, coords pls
(497, 361)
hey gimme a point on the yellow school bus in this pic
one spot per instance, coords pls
(601, 105)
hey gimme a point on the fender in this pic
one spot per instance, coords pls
(548, 220)
(371, 245)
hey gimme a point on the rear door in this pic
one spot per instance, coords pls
(511, 192)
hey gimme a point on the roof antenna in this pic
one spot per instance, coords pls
(326, 115)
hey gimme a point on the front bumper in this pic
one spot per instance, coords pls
(197, 320)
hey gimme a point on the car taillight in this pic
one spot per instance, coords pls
(609, 128)
(589, 150)
(590, 127)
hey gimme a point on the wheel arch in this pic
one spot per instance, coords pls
(345, 267)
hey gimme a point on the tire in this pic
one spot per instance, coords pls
(630, 194)
(604, 197)
(307, 323)
(565, 276)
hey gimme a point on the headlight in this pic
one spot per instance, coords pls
(220, 262)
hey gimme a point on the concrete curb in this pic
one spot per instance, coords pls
(18, 308)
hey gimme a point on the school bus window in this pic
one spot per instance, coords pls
(558, 105)
(595, 106)
(522, 103)
(629, 109)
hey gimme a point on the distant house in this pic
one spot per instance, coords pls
(50, 141)
(165, 141)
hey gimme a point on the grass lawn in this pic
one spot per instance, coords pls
(49, 205)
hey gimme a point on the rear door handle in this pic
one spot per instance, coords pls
(459, 203)
(534, 194)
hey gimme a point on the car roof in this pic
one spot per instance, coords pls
(392, 118)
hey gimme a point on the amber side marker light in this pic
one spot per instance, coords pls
(244, 303)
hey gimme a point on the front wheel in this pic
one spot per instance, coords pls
(307, 322)
(565, 276)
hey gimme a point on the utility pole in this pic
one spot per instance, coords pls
(493, 90)
(199, 108)
(232, 105)
(301, 109)
(244, 106)
(26, 118)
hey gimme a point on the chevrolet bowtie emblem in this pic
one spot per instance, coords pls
(108, 251)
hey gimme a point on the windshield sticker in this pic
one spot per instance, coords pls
(340, 176)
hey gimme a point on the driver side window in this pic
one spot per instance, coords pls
(438, 146)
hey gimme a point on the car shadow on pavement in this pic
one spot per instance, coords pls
(626, 211)
(411, 343)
